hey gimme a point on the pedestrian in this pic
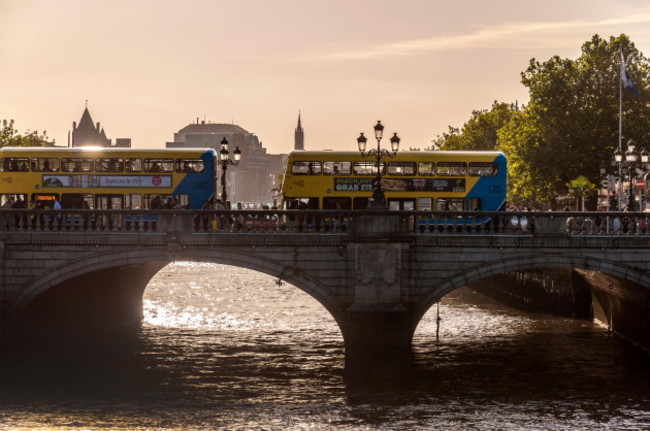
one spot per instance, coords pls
(617, 225)
(221, 219)
(8, 203)
(240, 217)
(532, 221)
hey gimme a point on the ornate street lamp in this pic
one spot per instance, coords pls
(224, 159)
(378, 198)
(633, 161)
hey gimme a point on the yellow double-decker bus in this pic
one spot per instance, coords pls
(106, 178)
(428, 180)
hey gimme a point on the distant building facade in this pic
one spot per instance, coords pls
(87, 133)
(256, 175)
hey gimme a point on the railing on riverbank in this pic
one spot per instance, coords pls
(330, 222)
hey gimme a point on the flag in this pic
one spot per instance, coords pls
(625, 79)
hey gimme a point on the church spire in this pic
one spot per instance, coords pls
(299, 136)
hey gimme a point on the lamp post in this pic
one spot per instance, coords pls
(224, 159)
(378, 198)
(633, 161)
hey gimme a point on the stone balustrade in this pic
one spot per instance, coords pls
(324, 221)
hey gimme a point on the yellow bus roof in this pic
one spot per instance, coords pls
(401, 155)
(31, 151)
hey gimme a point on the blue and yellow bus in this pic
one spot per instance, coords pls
(423, 180)
(106, 178)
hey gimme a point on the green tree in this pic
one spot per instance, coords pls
(480, 131)
(570, 125)
(9, 136)
(580, 189)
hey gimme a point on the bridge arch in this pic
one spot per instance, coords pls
(151, 260)
(614, 269)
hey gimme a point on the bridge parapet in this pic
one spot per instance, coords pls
(325, 221)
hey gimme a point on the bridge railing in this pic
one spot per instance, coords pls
(324, 221)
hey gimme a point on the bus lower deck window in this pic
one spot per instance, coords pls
(337, 203)
(424, 204)
(450, 204)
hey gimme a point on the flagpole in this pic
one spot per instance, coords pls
(620, 125)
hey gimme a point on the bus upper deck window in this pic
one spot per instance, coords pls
(15, 164)
(133, 165)
(109, 165)
(482, 169)
(189, 165)
(336, 168)
(77, 165)
(453, 169)
(46, 164)
(426, 169)
(368, 168)
(401, 168)
(301, 167)
(158, 165)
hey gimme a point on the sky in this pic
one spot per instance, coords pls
(148, 68)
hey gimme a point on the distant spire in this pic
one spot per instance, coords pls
(299, 136)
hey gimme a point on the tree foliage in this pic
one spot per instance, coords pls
(480, 131)
(9, 137)
(570, 125)
(580, 189)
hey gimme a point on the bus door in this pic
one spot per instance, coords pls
(76, 201)
(109, 202)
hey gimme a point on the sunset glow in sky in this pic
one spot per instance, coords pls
(149, 68)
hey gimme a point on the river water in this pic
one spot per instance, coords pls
(227, 348)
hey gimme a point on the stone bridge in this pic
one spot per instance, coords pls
(377, 272)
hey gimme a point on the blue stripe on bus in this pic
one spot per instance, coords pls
(200, 187)
(491, 190)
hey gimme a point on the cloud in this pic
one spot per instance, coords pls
(488, 37)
